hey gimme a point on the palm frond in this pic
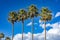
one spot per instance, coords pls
(45, 14)
(7, 38)
(1, 35)
(12, 17)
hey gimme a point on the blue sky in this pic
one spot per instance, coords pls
(14, 5)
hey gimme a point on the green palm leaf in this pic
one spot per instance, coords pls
(1, 35)
(7, 38)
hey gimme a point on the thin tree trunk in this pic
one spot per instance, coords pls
(12, 31)
(45, 30)
(22, 29)
(32, 28)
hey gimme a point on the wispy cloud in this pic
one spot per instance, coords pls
(57, 14)
(30, 23)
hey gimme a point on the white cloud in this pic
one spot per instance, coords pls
(29, 24)
(55, 25)
(40, 21)
(42, 25)
(52, 34)
(57, 14)
(26, 36)
(17, 37)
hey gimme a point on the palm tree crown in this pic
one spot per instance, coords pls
(1, 35)
(45, 14)
(7, 38)
(22, 15)
(33, 11)
(12, 17)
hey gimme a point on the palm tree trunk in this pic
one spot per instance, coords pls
(32, 28)
(22, 29)
(12, 30)
(45, 29)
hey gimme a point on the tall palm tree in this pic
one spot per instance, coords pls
(22, 15)
(32, 12)
(45, 16)
(12, 18)
(1, 35)
(7, 38)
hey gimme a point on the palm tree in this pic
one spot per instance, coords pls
(1, 35)
(32, 12)
(22, 15)
(7, 38)
(45, 16)
(12, 18)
